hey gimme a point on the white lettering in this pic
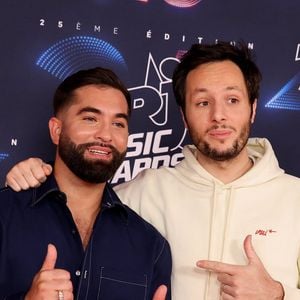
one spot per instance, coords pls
(157, 140)
(200, 39)
(141, 164)
(297, 53)
(176, 158)
(148, 141)
(138, 103)
(167, 36)
(78, 25)
(97, 28)
(123, 173)
(135, 144)
(159, 161)
(251, 46)
(14, 142)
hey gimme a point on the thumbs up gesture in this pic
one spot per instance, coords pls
(49, 282)
(249, 282)
(160, 293)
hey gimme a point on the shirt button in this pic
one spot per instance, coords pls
(77, 273)
(74, 231)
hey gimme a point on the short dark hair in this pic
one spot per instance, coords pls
(200, 54)
(63, 95)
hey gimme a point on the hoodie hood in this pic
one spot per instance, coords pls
(265, 166)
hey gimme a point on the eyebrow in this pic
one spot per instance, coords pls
(99, 112)
(228, 88)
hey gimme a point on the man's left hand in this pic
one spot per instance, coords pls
(249, 282)
(160, 293)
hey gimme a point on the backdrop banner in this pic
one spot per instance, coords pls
(45, 41)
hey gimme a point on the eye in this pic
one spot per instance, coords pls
(233, 100)
(119, 124)
(202, 103)
(89, 119)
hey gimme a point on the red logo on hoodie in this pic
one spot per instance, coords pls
(264, 232)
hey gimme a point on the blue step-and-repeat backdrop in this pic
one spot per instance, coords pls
(42, 42)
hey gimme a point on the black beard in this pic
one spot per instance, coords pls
(224, 155)
(92, 171)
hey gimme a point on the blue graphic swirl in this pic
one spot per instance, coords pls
(3, 156)
(75, 53)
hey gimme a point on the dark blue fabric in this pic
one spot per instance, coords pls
(126, 257)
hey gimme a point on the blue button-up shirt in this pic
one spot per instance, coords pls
(126, 258)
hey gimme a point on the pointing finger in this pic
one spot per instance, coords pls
(217, 267)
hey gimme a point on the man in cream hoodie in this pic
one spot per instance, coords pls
(228, 211)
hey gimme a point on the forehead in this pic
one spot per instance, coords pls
(100, 97)
(223, 73)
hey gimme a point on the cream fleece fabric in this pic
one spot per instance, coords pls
(202, 218)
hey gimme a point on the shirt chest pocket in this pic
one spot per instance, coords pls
(122, 285)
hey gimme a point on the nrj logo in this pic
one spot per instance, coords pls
(158, 132)
(179, 3)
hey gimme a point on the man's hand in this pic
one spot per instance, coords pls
(160, 293)
(249, 282)
(28, 173)
(48, 281)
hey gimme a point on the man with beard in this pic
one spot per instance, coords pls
(225, 190)
(72, 238)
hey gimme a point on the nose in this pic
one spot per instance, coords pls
(103, 132)
(218, 112)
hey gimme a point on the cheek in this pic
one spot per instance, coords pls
(121, 140)
(78, 134)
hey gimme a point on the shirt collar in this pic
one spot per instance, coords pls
(50, 189)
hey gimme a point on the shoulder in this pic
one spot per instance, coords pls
(7, 194)
(139, 224)
(146, 177)
(10, 200)
(290, 179)
(143, 230)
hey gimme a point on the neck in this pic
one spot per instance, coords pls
(226, 171)
(81, 195)
(83, 199)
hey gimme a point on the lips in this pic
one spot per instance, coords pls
(97, 151)
(220, 132)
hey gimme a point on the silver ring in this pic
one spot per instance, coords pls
(60, 295)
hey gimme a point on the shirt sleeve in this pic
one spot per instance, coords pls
(162, 270)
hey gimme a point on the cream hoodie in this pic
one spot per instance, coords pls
(202, 218)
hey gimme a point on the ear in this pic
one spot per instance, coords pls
(55, 129)
(183, 118)
(254, 105)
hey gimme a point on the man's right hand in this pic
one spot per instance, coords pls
(28, 173)
(48, 281)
